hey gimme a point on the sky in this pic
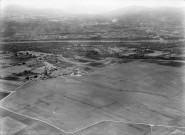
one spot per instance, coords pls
(91, 6)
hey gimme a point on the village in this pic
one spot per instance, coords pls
(35, 65)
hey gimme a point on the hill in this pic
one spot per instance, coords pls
(19, 23)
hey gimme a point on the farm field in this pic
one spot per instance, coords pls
(18, 124)
(136, 92)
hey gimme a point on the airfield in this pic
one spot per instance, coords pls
(132, 98)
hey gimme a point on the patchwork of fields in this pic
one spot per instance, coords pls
(135, 92)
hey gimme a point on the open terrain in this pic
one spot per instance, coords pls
(119, 72)
(136, 92)
(96, 87)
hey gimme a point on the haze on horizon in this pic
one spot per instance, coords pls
(90, 6)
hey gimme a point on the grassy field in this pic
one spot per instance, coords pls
(134, 92)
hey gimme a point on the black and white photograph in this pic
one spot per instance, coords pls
(92, 67)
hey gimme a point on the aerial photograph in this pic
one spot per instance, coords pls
(92, 67)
